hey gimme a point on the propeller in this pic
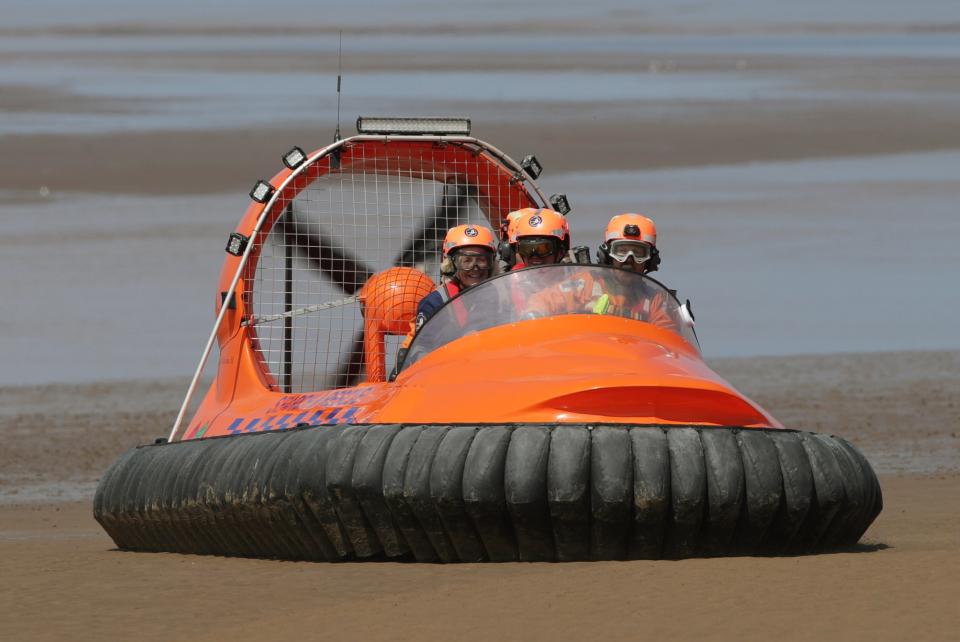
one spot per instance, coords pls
(350, 273)
(424, 244)
(342, 267)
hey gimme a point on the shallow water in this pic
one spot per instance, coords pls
(820, 256)
(110, 287)
(176, 100)
(362, 13)
(153, 81)
(817, 256)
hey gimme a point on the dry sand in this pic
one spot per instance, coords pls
(64, 580)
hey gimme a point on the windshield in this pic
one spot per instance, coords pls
(553, 290)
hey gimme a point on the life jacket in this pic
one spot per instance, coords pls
(448, 290)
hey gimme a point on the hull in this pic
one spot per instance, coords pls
(575, 369)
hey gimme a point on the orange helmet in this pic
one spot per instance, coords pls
(631, 226)
(468, 236)
(541, 222)
(508, 226)
(630, 229)
(534, 222)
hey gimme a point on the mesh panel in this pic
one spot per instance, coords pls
(375, 209)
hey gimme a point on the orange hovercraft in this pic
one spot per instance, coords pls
(508, 433)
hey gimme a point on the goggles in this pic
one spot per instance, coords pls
(622, 250)
(466, 262)
(538, 247)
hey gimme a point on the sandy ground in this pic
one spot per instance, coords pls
(64, 580)
(702, 136)
(848, 107)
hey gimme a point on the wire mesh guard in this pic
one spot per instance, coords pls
(348, 224)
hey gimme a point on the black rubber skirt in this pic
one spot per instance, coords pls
(440, 493)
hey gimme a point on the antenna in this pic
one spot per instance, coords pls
(336, 134)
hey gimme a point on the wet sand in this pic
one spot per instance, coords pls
(64, 580)
(191, 162)
(719, 107)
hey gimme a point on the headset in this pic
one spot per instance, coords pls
(506, 254)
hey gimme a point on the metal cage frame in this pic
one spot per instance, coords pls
(297, 179)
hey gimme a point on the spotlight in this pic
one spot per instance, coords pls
(532, 166)
(560, 203)
(261, 192)
(294, 158)
(237, 244)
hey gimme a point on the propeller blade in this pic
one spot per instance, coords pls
(348, 272)
(426, 242)
(342, 267)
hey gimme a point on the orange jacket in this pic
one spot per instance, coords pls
(582, 294)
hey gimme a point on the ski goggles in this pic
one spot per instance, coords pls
(538, 247)
(622, 250)
(465, 262)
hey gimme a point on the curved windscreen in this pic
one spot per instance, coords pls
(553, 290)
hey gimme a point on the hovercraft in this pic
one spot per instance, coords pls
(504, 436)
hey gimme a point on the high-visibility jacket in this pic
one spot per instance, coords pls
(650, 309)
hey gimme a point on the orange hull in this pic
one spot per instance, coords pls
(582, 369)
(563, 369)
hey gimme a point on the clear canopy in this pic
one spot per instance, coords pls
(554, 290)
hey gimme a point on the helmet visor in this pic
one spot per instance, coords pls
(538, 247)
(621, 250)
(470, 259)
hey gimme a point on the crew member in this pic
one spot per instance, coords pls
(630, 243)
(468, 259)
(505, 249)
(535, 237)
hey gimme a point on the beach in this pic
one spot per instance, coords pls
(63, 579)
(802, 173)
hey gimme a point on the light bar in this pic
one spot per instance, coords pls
(421, 126)
(261, 192)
